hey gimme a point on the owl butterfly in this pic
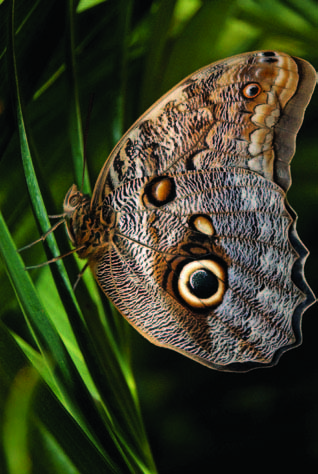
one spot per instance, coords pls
(188, 231)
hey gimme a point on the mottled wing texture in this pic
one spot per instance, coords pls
(202, 255)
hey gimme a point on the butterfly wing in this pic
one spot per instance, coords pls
(208, 120)
(203, 256)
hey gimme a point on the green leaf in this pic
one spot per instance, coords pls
(84, 414)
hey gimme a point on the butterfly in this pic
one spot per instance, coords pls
(188, 230)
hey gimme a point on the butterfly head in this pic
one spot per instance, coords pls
(74, 200)
(78, 219)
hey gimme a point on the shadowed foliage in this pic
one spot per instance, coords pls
(68, 393)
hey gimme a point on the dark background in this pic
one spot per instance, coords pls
(130, 53)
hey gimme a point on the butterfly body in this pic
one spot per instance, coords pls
(188, 230)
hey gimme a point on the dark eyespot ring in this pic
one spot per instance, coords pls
(159, 191)
(251, 90)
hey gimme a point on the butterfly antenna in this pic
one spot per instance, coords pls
(86, 129)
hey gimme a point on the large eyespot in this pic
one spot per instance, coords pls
(251, 90)
(202, 283)
(159, 191)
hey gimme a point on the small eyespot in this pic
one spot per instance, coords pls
(202, 223)
(202, 283)
(159, 191)
(251, 90)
